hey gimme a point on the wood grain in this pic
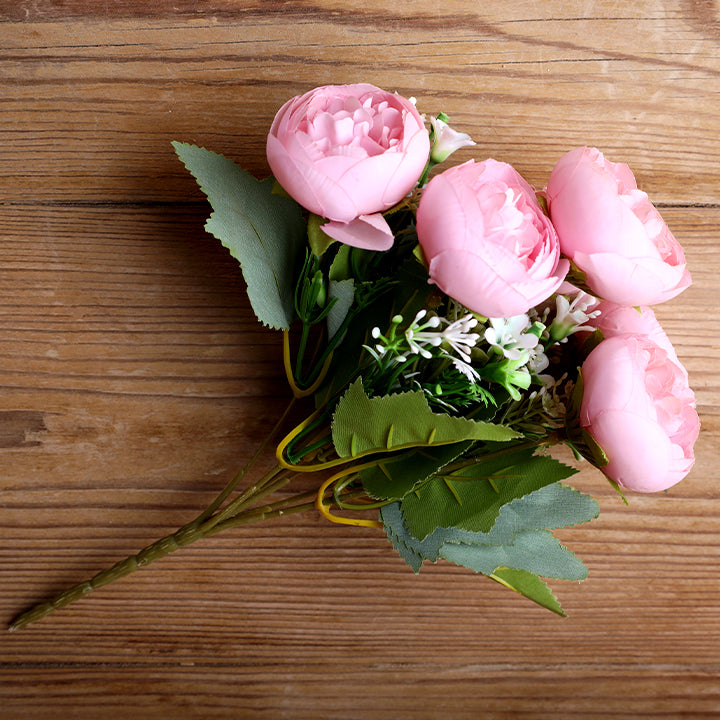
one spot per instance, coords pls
(134, 379)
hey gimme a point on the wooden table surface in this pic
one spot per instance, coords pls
(134, 379)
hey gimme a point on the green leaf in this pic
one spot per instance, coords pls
(318, 240)
(551, 507)
(363, 425)
(340, 268)
(471, 498)
(404, 293)
(413, 551)
(265, 232)
(392, 479)
(520, 541)
(529, 585)
(597, 455)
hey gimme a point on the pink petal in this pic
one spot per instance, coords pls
(369, 232)
(632, 281)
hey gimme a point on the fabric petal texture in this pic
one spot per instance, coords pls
(368, 232)
(612, 232)
(487, 241)
(638, 407)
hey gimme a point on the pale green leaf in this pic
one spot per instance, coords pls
(535, 551)
(515, 551)
(553, 506)
(413, 551)
(265, 232)
(363, 425)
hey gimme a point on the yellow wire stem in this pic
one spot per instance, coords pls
(282, 445)
(329, 464)
(287, 362)
(325, 509)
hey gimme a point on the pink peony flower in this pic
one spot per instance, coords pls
(487, 241)
(347, 153)
(613, 320)
(638, 407)
(612, 232)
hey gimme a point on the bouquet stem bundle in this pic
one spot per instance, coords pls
(464, 324)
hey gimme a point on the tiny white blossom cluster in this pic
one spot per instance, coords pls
(510, 351)
(433, 337)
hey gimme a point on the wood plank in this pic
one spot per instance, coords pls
(120, 394)
(77, 91)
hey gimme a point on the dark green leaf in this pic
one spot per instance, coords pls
(519, 541)
(393, 478)
(553, 506)
(405, 292)
(343, 292)
(472, 497)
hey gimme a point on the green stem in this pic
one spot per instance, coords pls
(160, 548)
(186, 535)
(235, 514)
(333, 342)
(204, 524)
(263, 487)
(276, 509)
(294, 456)
(301, 353)
(293, 504)
(342, 502)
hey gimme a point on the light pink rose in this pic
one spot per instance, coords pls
(347, 153)
(487, 241)
(638, 407)
(612, 232)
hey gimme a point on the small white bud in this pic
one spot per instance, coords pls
(446, 140)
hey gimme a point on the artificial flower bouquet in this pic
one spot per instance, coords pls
(445, 329)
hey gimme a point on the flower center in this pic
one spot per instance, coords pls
(351, 127)
(508, 222)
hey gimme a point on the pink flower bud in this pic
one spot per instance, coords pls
(612, 232)
(638, 407)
